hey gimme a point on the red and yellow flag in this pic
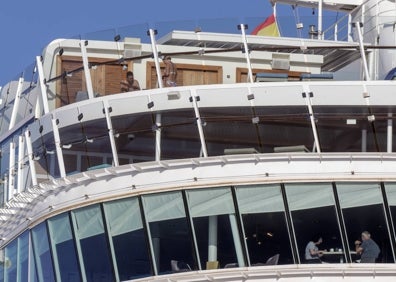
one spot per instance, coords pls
(267, 28)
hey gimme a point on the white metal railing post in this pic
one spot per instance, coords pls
(307, 95)
(389, 143)
(11, 171)
(242, 27)
(106, 107)
(31, 158)
(21, 150)
(16, 103)
(358, 26)
(199, 122)
(43, 86)
(58, 147)
(154, 49)
(87, 72)
(320, 19)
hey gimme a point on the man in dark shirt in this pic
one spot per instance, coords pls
(367, 249)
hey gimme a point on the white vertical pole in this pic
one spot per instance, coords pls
(237, 240)
(212, 238)
(87, 71)
(158, 137)
(364, 140)
(160, 85)
(156, 59)
(58, 146)
(43, 86)
(362, 53)
(247, 55)
(389, 143)
(11, 171)
(16, 103)
(111, 133)
(31, 156)
(21, 150)
(320, 19)
(199, 123)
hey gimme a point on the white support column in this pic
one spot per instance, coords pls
(16, 103)
(87, 71)
(58, 146)
(320, 20)
(364, 140)
(247, 55)
(358, 26)
(237, 240)
(156, 59)
(11, 171)
(43, 86)
(308, 102)
(154, 49)
(31, 158)
(21, 150)
(106, 107)
(389, 139)
(212, 238)
(199, 123)
(158, 137)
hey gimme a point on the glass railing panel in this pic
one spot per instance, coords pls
(135, 137)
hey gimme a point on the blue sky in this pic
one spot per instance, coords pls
(27, 26)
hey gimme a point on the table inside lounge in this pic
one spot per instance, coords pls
(335, 256)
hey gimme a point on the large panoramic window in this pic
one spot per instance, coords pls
(169, 231)
(363, 210)
(314, 215)
(63, 248)
(23, 255)
(43, 258)
(91, 240)
(390, 189)
(215, 228)
(264, 223)
(127, 238)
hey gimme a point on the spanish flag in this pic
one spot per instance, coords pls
(267, 28)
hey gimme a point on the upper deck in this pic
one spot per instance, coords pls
(65, 114)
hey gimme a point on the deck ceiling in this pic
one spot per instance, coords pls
(336, 54)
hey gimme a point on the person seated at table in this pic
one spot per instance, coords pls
(368, 249)
(130, 84)
(312, 252)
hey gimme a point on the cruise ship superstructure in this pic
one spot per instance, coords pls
(265, 143)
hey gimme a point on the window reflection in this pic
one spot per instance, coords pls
(42, 253)
(88, 225)
(265, 228)
(363, 210)
(23, 254)
(215, 228)
(170, 234)
(11, 262)
(312, 207)
(63, 247)
(128, 238)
